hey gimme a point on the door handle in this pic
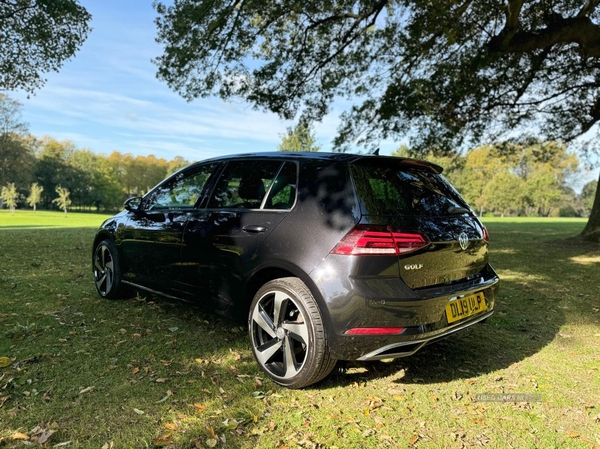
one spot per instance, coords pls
(254, 228)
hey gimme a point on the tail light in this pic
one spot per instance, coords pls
(368, 240)
(486, 236)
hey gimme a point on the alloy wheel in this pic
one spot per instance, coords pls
(103, 270)
(280, 334)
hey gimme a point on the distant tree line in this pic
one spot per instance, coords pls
(41, 168)
(35, 171)
(532, 178)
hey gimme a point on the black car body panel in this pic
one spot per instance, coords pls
(211, 235)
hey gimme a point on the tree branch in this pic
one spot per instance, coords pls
(588, 8)
(579, 30)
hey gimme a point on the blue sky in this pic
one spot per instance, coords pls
(107, 98)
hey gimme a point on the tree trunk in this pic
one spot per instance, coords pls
(591, 231)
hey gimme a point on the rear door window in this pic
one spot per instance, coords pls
(385, 187)
(244, 184)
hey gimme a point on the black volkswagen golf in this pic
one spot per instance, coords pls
(326, 256)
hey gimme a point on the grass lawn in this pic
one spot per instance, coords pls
(77, 371)
(46, 219)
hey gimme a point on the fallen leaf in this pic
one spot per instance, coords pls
(64, 443)
(212, 433)
(45, 436)
(19, 436)
(573, 434)
(211, 442)
(478, 421)
(135, 370)
(169, 394)
(161, 441)
(199, 407)
(230, 424)
(413, 440)
(171, 426)
(161, 380)
(138, 411)
(86, 390)
(4, 362)
(457, 396)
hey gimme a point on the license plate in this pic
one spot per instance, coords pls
(465, 307)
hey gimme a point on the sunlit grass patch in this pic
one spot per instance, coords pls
(586, 259)
(23, 219)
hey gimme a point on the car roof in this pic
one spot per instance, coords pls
(344, 157)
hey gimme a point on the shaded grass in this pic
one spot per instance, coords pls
(148, 371)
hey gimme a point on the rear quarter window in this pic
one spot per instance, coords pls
(387, 188)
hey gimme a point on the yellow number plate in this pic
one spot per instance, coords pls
(465, 307)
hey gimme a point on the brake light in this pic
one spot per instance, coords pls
(486, 236)
(367, 240)
(375, 331)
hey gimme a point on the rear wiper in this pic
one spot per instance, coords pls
(458, 210)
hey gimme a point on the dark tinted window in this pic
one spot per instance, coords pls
(181, 191)
(388, 188)
(244, 184)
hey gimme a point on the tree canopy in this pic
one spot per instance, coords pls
(441, 72)
(38, 36)
(299, 138)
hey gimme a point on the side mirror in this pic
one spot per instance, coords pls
(133, 204)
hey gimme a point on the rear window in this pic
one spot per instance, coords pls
(388, 188)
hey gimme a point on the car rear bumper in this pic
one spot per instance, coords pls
(386, 302)
(409, 347)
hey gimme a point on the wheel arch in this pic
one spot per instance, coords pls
(102, 234)
(268, 272)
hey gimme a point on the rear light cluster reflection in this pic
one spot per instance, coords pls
(368, 240)
(375, 331)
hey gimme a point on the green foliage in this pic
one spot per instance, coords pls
(504, 192)
(530, 178)
(38, 37)
(9, 195)
(63, 201)
(441, 73)
(16, 154)
(300, 138)
(35, 195)
(589, 193)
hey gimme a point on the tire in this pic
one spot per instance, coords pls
(107, 271)
(288, 338)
